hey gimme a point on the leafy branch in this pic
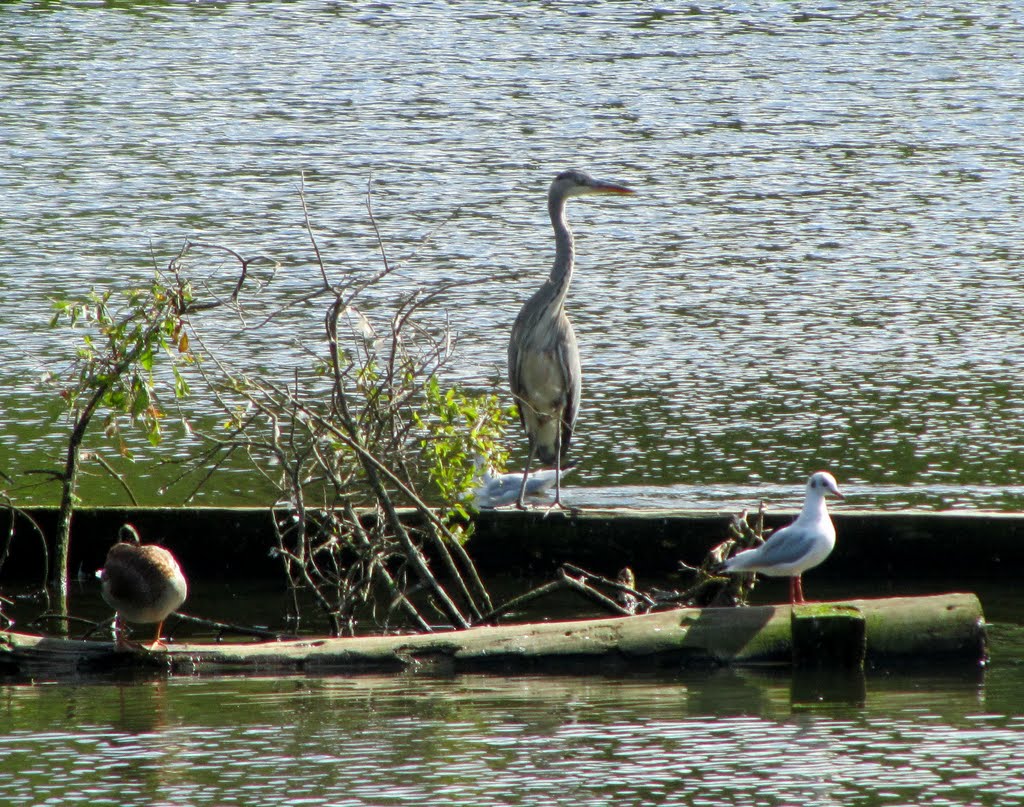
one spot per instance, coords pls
(125, 336)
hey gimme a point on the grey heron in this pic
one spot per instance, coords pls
(543, 357)
(802, 545)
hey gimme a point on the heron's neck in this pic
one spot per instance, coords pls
(561, 272)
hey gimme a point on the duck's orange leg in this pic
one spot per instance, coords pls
(121, 642)
(158, 643)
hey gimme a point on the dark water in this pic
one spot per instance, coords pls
(722, 738)
(821, 269)
(945, 737)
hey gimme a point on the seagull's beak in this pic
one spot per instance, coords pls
(836, 493)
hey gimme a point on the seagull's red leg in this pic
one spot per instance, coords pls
(798, 580)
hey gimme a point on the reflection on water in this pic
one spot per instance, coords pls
(733, 498)
(720, 738)
(821, 267)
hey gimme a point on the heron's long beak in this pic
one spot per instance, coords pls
(610, 187)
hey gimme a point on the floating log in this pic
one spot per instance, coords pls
(947, 628)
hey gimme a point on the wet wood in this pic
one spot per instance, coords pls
(828, 635)
(217, 542)
(945, 628)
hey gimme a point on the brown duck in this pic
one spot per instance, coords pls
(142, 583)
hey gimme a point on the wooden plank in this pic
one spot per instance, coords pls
(942, 628)
(234, 541)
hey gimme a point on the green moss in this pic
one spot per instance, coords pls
(818, 610)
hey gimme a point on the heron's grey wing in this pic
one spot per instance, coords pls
(787, 545)
(569, 360)
(514, 367)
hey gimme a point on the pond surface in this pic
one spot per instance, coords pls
(937, 737)
(821, 268)
(710, 738)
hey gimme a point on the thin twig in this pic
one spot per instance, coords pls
(228, 627)
(521, 600)
(119, 477)
(612, 584)
(309, 231)
(592, 594)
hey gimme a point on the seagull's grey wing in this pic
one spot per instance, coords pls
(506, 487)
(786, 546)
(498, 490)
(539, 481)
(501, 489)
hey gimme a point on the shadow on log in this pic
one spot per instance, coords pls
(901, 631)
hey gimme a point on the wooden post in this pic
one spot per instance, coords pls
(828, 635)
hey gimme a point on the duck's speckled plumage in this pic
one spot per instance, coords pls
(142, 583)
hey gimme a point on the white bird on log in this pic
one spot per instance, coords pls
(496, 490)
(543, 357)
(802, 545)
(142, 583)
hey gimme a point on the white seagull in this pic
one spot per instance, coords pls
(802, 545)
(495, 490)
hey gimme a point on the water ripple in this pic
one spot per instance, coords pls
(821, 267)
(722, 739)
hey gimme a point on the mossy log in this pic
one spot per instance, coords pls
(947, 628)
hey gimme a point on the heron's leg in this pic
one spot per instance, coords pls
(558, 463)
(558, 471)
(520, 503)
